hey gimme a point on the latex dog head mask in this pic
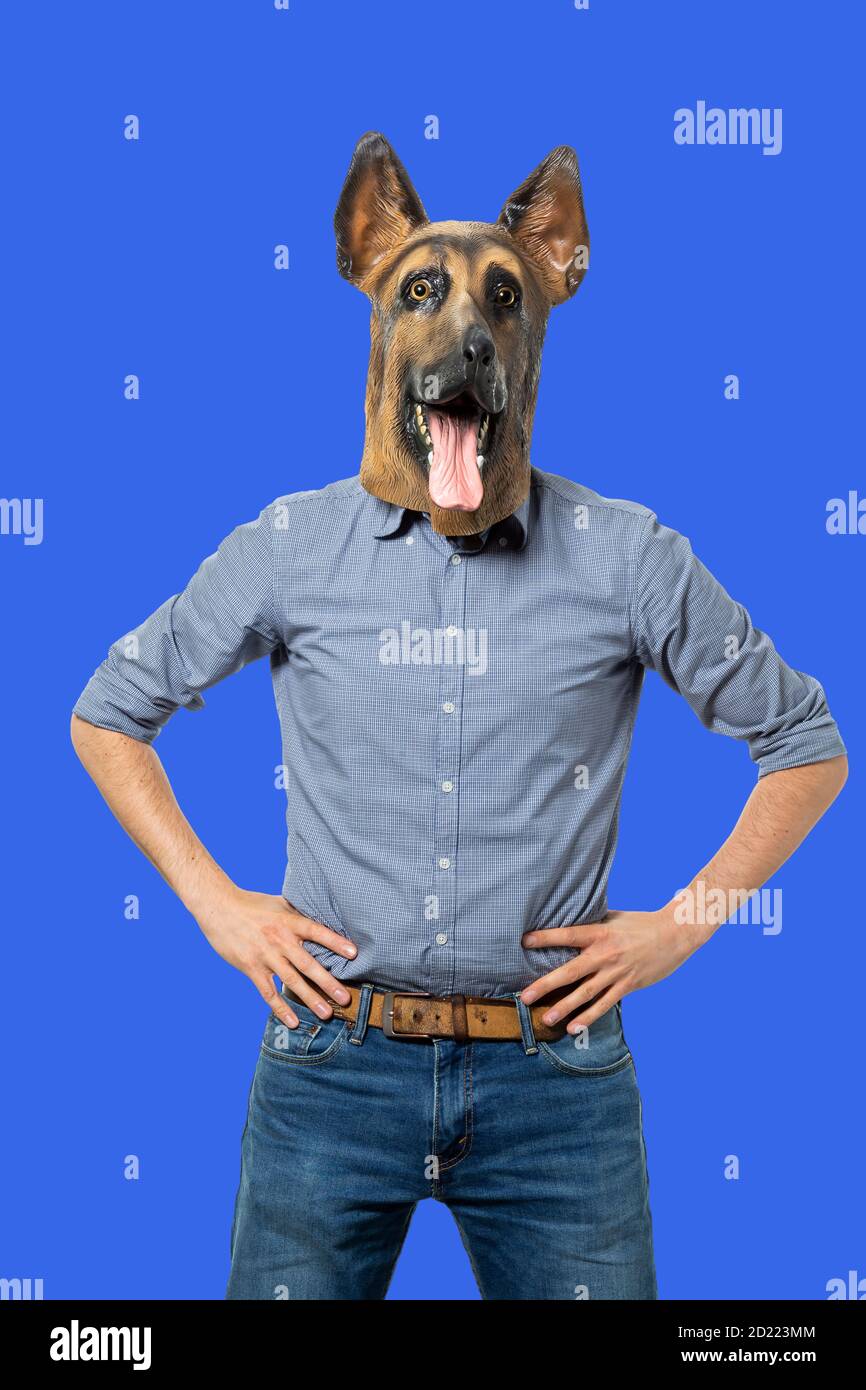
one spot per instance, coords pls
(459, 316)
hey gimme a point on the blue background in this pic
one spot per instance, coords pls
(156, 258)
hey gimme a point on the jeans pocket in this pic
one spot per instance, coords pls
(598, 1050)
(313, 1042)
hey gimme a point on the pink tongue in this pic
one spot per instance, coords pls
(455, 478)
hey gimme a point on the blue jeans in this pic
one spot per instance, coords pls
(537, 1149)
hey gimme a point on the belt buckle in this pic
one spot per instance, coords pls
(388, 1015)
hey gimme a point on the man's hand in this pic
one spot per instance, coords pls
(627, 951)
(262, 935)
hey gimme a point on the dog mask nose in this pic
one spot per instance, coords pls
(479, 352)
(476, 367)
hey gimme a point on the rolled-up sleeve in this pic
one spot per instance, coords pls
(704, 644)
(222, 620)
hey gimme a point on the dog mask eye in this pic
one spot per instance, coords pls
(506, 296)
(419, 290)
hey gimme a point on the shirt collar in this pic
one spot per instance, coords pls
(391, 520)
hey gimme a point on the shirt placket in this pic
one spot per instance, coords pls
(449, 728)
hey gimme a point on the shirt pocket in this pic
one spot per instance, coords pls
(599, 1050)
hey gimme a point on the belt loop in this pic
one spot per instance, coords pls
(359, 1032)
(527, 1032)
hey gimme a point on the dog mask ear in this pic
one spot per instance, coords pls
(378, 208)
(545, 217)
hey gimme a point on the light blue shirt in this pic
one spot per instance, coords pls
(456, 722)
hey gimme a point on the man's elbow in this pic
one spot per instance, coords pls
(77, 732)
(84, 737)
(837, 770)
(87, 738)
(826, 779)
(819, 783)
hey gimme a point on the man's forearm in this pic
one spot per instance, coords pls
(260, 934)
(631, 950)
(133, 782)
(781, 810)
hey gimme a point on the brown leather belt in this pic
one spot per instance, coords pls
(409, 1017)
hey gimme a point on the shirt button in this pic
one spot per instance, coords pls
(447, 786)
(448, 706)
(503, 540)
(456, 559)
(451, 630)
(441, 938)
(410, 540)
(444, 863)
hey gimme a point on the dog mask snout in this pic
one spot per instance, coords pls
(471, 368)
(459, 316)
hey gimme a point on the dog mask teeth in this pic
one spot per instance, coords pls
(422, 426)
